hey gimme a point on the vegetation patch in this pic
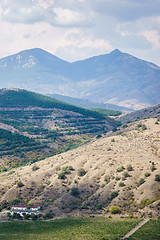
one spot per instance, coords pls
(67, 228)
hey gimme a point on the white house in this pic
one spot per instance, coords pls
(24, 209)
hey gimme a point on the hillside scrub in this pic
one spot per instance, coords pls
(81, 172)
(114, 210)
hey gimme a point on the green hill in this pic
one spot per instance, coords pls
(34, 126)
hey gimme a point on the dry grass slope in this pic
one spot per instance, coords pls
(104, 183)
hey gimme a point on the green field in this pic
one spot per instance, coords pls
(67, 228)
(149, 231)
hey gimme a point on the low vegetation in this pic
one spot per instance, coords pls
(151, 230)
(67, 228)
(37, 127)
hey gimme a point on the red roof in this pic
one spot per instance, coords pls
(25, 206)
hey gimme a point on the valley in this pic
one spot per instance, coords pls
(120, 168)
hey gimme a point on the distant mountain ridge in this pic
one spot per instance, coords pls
(85, 103)
(115, 78)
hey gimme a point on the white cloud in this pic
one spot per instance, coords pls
(153, 37)
(68, 17)
(75, 29)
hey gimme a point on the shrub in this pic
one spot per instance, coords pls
(144, 202)
(98, 206)
(126, 174)
(74, 192)
(106, 179)
(4, 169)
(81, 172)
(61, 175)
(147, 174)
(144, 127)
(121, 184)
(35, 168)
(26, 216)
(34, 217)
(157, 177)
(20, 184)
(71, 168)
(98, 136)
(114, 129)
(140, 182)
(48, 215)
(152, 168)
(113, 195)
(139, 125)
(112, 140)
(117, 178)
(120, 169)
(129, 167)
(114, 210)
(156, 122)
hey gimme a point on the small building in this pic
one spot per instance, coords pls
(24, 209)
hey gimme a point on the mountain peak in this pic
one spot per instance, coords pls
(116, 51)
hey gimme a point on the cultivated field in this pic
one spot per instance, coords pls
(67, 228)
(149, 231)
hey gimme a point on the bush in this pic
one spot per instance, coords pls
(144, 127)
(126, 174)
(157, 177)
(152, 168)
(106, 179)
(71, 168)
(74, 192)
(61, 175)
(113, 195)
(98, 136)
(48, 215)
(114, 210)
(26, 216)
(20, 184)
(35, 168)
(34, 217)
(81, 172)
(120, 169)
(147, 174)
(144, 202)
(112, 140)
(121, 184)
(129, 167)
(140, 182)
(4, 169)
(117, 178)
(98, 206)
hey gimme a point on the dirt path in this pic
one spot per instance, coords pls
(135, 228)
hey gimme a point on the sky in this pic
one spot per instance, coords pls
(79, 29)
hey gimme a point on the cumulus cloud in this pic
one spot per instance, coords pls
(153, 37)
(32, 11)
(76, 29)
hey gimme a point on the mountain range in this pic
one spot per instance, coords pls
(115, 78)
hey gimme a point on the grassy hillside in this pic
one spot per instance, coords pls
(107, 112)
(121, 169)
(35, 126)
(22, 99)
